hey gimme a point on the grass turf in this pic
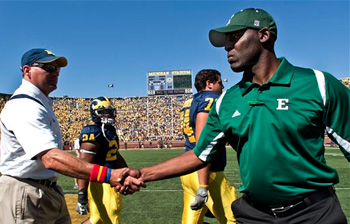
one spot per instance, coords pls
(161, 201)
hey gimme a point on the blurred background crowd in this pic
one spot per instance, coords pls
(140, 120)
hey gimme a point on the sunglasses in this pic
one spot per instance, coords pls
(47, 67)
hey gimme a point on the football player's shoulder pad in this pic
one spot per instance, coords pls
(205, 101)
(91, 130)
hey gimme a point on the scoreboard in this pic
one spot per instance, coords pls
(169, 82)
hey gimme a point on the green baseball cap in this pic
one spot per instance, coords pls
(246, 18)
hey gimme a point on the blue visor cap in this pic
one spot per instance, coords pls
(42, 56)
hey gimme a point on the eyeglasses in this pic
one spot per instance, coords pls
(47, 67)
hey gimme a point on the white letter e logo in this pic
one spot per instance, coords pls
(282, 104)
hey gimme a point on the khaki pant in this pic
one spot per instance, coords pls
(24, 201)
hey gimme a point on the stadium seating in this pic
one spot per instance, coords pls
(139, 119)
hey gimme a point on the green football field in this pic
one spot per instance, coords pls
(161, 201)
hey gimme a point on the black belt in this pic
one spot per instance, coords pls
(295, 207)
(45, 182)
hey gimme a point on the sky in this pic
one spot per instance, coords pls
(118, 42)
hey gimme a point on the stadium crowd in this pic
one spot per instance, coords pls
(149, 118)
(139, 119)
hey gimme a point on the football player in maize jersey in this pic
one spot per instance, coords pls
(207, 188)
(100, 144)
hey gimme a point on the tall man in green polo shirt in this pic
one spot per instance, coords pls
(275, 118)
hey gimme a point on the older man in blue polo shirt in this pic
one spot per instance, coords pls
(31, 148)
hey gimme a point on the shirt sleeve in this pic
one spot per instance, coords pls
(212, 139)
(205, 103)
(337, 113)
(32, 128)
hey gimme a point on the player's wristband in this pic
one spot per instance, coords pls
(94, 173)
(204, 185)
(108, 177)
(100, 174)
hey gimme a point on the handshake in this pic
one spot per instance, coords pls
(124, 180)
(127, 180)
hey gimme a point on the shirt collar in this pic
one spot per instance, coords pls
(33, 91)
(283, 76)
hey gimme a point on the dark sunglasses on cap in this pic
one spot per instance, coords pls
(47, 67)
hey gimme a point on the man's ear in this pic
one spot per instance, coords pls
(264, 34)
(209, 85)
(26, 71)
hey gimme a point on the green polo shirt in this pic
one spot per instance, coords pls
(278, 131)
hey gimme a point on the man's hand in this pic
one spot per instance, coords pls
(129, 181)
(129, 186)
(201, 198)
(82, 205)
